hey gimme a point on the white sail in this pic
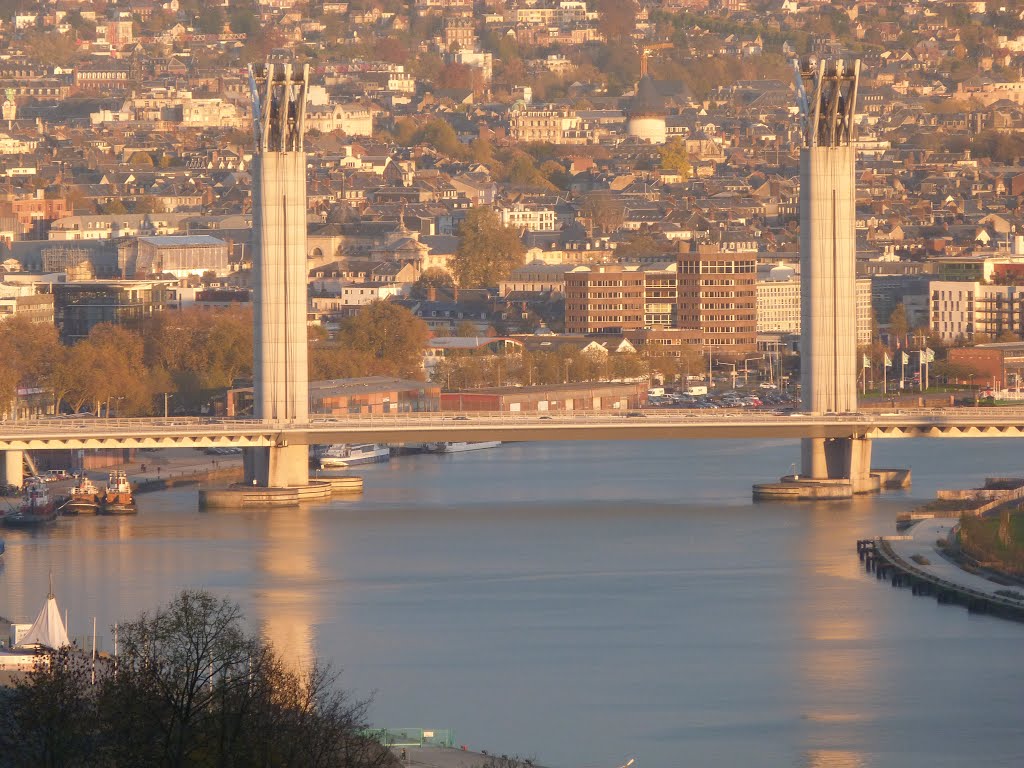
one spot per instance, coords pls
(48, 629)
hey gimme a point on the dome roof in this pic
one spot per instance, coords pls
(647, 100)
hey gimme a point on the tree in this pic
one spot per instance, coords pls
(141, 159)
(674, 157)
(604, 211)
(211, 20)
(435, 278)
(114, 374)
(199, 349)
(466, 329)
(642, 246)
(149, 204)
(114, 207)
(617, 19)
(190, 688)
(488, 250)
(440, 135)
(390, 336)
(898, 325)
(54, 713)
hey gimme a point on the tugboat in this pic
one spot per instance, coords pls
(37, 508)
(117, 496)
(85, 498)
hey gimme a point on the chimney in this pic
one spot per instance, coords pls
(431, 293)
(455, 294)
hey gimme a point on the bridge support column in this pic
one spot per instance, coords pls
(838, 458)
(11, 468)
(280, 466)
(860, 466)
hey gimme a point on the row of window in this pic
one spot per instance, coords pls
(728, 268)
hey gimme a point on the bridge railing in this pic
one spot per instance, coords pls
(913, 417)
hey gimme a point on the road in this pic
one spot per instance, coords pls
(650, 424)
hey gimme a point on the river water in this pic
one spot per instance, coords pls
(583, 603)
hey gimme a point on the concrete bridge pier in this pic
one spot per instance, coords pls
(839, 459)
(12, 470)
(279, 466)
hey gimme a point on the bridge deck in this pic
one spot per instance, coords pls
(57, 433)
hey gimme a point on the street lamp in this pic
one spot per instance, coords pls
(747, 360)
(166, 395)
(733, 373)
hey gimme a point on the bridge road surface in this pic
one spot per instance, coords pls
(650, 424)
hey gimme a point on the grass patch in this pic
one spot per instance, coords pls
(979, 538)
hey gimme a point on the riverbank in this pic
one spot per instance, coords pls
(171, 467)
(919, 560)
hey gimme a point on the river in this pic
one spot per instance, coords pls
(583, 603)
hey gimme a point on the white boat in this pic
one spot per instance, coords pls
(344, 455)
(461, 447)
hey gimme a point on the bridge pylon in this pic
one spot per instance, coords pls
(280, 370)
(827, 95)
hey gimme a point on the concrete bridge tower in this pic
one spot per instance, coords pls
(827, 95)
(831, 467)
(280, 380)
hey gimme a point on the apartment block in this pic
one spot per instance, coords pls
(961, 310)
(604, 299)
(717, 296)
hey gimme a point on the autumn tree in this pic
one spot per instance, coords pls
(149, 204)
(198, 349)
(617, 19)
(674, 157)
(114, 376)
(488, 250)
(440, 135)
(898, 325)
(435, 278)
(388, 337)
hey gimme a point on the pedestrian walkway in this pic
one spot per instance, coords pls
(921, 540)
(173, 463)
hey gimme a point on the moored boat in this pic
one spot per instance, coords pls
(343, 455)
(85, 498)
(117, 496)
(37, 508)
(460, 447)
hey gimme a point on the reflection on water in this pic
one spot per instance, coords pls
(578, 602)
(834, 758)
(286, 606)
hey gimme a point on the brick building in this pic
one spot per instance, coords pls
(604, 299)
(717, 295)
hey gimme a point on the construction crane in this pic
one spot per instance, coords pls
(646, 50)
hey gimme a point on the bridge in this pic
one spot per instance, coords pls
(836, 439)
(674, 424)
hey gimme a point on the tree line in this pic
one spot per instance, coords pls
(191, 355)
(563, 365)
(189, 687)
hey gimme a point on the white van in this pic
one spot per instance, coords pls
(656, 392)
(57, 474)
